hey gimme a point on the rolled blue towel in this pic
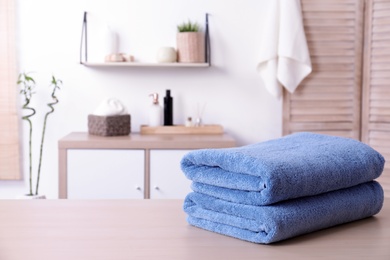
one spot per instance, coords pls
(287, 219)
(293, 166)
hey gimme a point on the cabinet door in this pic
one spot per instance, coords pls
(105, 174)
(167, 181)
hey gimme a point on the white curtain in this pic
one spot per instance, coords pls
(9, 132)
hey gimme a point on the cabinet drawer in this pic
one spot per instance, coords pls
(105, 174)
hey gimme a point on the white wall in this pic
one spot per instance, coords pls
(49, 40)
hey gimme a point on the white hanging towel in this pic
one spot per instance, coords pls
(284, 55)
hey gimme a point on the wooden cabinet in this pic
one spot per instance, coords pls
(105, 174)
(133, 166)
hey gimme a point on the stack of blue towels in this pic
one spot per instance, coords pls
(282, 188)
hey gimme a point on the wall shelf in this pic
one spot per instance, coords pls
(84, 61)
(144, 64)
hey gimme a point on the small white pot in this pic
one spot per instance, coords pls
(166, 54)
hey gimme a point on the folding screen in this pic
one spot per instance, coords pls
(328, 100)
(376, 82)
(348, 92)
(9, 118)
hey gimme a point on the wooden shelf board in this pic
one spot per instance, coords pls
(143, 64)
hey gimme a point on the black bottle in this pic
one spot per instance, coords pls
(168, 108)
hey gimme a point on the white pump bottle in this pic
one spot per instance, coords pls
(155, 112)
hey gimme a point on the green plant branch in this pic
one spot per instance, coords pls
(27, 118)
(56, 85)
(28, 85)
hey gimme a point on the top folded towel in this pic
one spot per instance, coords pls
(297, 165)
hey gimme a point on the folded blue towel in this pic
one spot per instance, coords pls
(297, 165)
(268, 224)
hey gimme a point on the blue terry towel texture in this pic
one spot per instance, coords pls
(282, 188)
(297, 165)
(268, 224)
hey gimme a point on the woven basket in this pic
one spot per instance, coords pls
(190, 47)
(109, 125)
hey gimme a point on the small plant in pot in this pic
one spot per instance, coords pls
(190, 43)
(27, 87)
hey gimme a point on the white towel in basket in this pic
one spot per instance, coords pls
(110, 107)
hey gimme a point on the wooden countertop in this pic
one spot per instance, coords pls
(82, 140)
(157, 229)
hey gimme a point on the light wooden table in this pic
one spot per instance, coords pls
(156, 229)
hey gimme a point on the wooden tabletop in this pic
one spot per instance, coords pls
(156, 229)
(83, 140)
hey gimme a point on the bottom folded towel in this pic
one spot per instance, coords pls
(268, 224)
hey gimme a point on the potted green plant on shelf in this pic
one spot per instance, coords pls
(190, 43)
(27, 85)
